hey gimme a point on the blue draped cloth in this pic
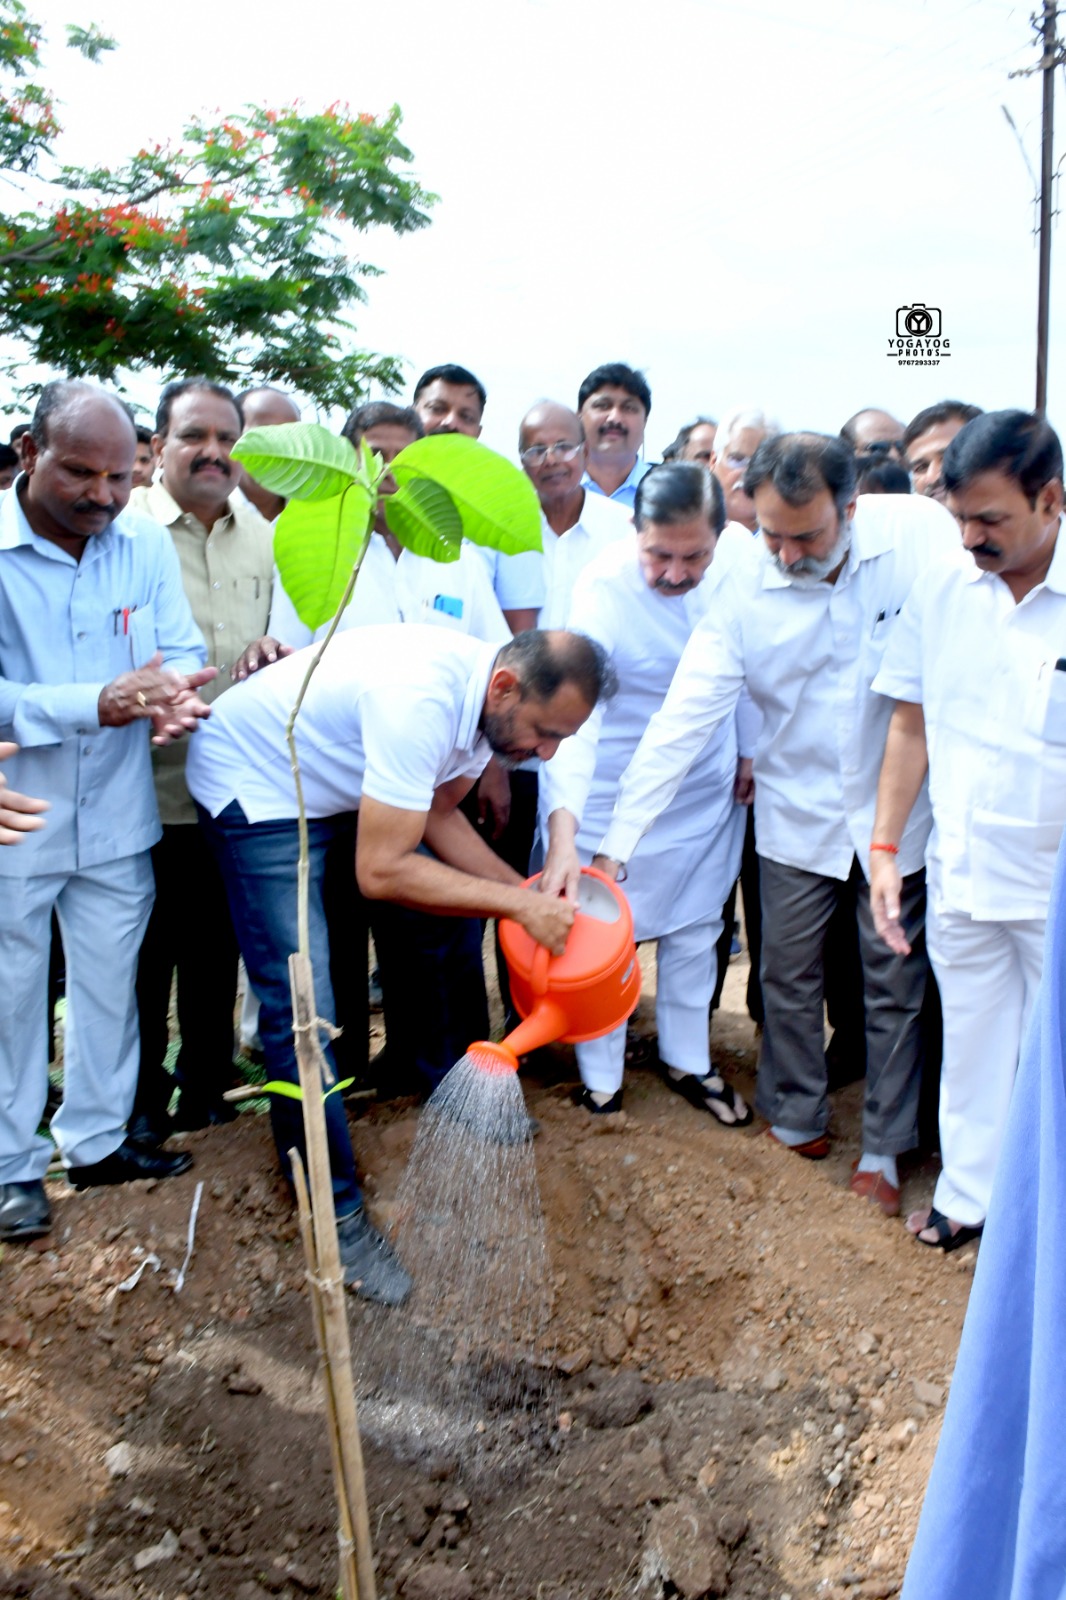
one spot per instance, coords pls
(993, 1526)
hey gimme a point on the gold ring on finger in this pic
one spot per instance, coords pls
(142, 698)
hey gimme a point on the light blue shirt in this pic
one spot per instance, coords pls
(626, 492)
(67, 628)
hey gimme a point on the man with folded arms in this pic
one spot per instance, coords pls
(981, 705)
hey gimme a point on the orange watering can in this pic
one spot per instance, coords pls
(586, 992)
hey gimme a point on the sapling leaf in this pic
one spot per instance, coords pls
(300, 460)
(316, 545)
(495, 501)
(292, 1091)
(423, 516)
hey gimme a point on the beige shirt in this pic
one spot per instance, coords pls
(227, 576)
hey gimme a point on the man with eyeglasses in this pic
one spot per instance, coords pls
(576, 522)
(614, 403)
(740, 433)
(803, 628)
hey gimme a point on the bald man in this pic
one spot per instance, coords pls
(96, 641)
(874, 433)
(265, 408)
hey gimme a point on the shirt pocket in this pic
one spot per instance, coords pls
(134, 642)
(249, 611)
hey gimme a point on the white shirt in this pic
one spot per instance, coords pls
(982, 667)
(517, 581)
(390, 712)
(601, 522)
(808, 657)
(456, 595)
(684, 866)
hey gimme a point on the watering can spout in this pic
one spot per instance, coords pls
(545, 1023)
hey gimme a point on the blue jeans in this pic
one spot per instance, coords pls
(258, 861)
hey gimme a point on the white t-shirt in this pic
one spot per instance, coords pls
(391, 712)
(456, 595)
(983, 668)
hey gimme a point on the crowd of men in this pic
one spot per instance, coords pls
(825, 666)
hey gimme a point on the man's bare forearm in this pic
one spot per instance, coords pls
(451, 837)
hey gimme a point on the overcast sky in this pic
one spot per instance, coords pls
(734, 197)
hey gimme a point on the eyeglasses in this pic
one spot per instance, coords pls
(562, 451)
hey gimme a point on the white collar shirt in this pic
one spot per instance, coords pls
(67, 629)
(808, 658)
(453, 595)
(601, 522)
(983, 668)
(626, 492)
(390, 712)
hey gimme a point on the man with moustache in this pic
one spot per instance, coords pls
(981, 706)
(614, 403)
(96, 641)
(225, 547)
(926, 439)
(803, 627)
(640, 599)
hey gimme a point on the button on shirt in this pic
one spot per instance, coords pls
(67, 628)
(454, 595)
(390, 712)
(626, 492)
(982, 667)
(227, 576)
(808, 657)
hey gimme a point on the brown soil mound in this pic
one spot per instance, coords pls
(751, 1370)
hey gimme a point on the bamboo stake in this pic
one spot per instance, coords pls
(346, 1533)
(327, 1265)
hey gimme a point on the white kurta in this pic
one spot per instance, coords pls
(683, 867)
(456, 595)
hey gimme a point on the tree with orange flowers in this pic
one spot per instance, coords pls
(229, 253)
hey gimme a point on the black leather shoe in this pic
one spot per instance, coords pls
(192, 1113)
(147, 1133)
(128, 1163)
(24, 1211)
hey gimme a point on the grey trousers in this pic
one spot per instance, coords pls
(792, 1089)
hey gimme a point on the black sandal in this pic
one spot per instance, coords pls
(709, 1093)
(945, 1239)
(584, 1098)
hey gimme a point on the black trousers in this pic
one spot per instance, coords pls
(189, 932)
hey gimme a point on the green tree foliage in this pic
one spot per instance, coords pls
(228, 254)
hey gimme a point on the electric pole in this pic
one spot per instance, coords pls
(1051, 59)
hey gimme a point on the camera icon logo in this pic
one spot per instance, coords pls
(918, 321)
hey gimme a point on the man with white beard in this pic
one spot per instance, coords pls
(640, 598)
(803, 627)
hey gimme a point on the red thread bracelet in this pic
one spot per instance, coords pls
(893, 849)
